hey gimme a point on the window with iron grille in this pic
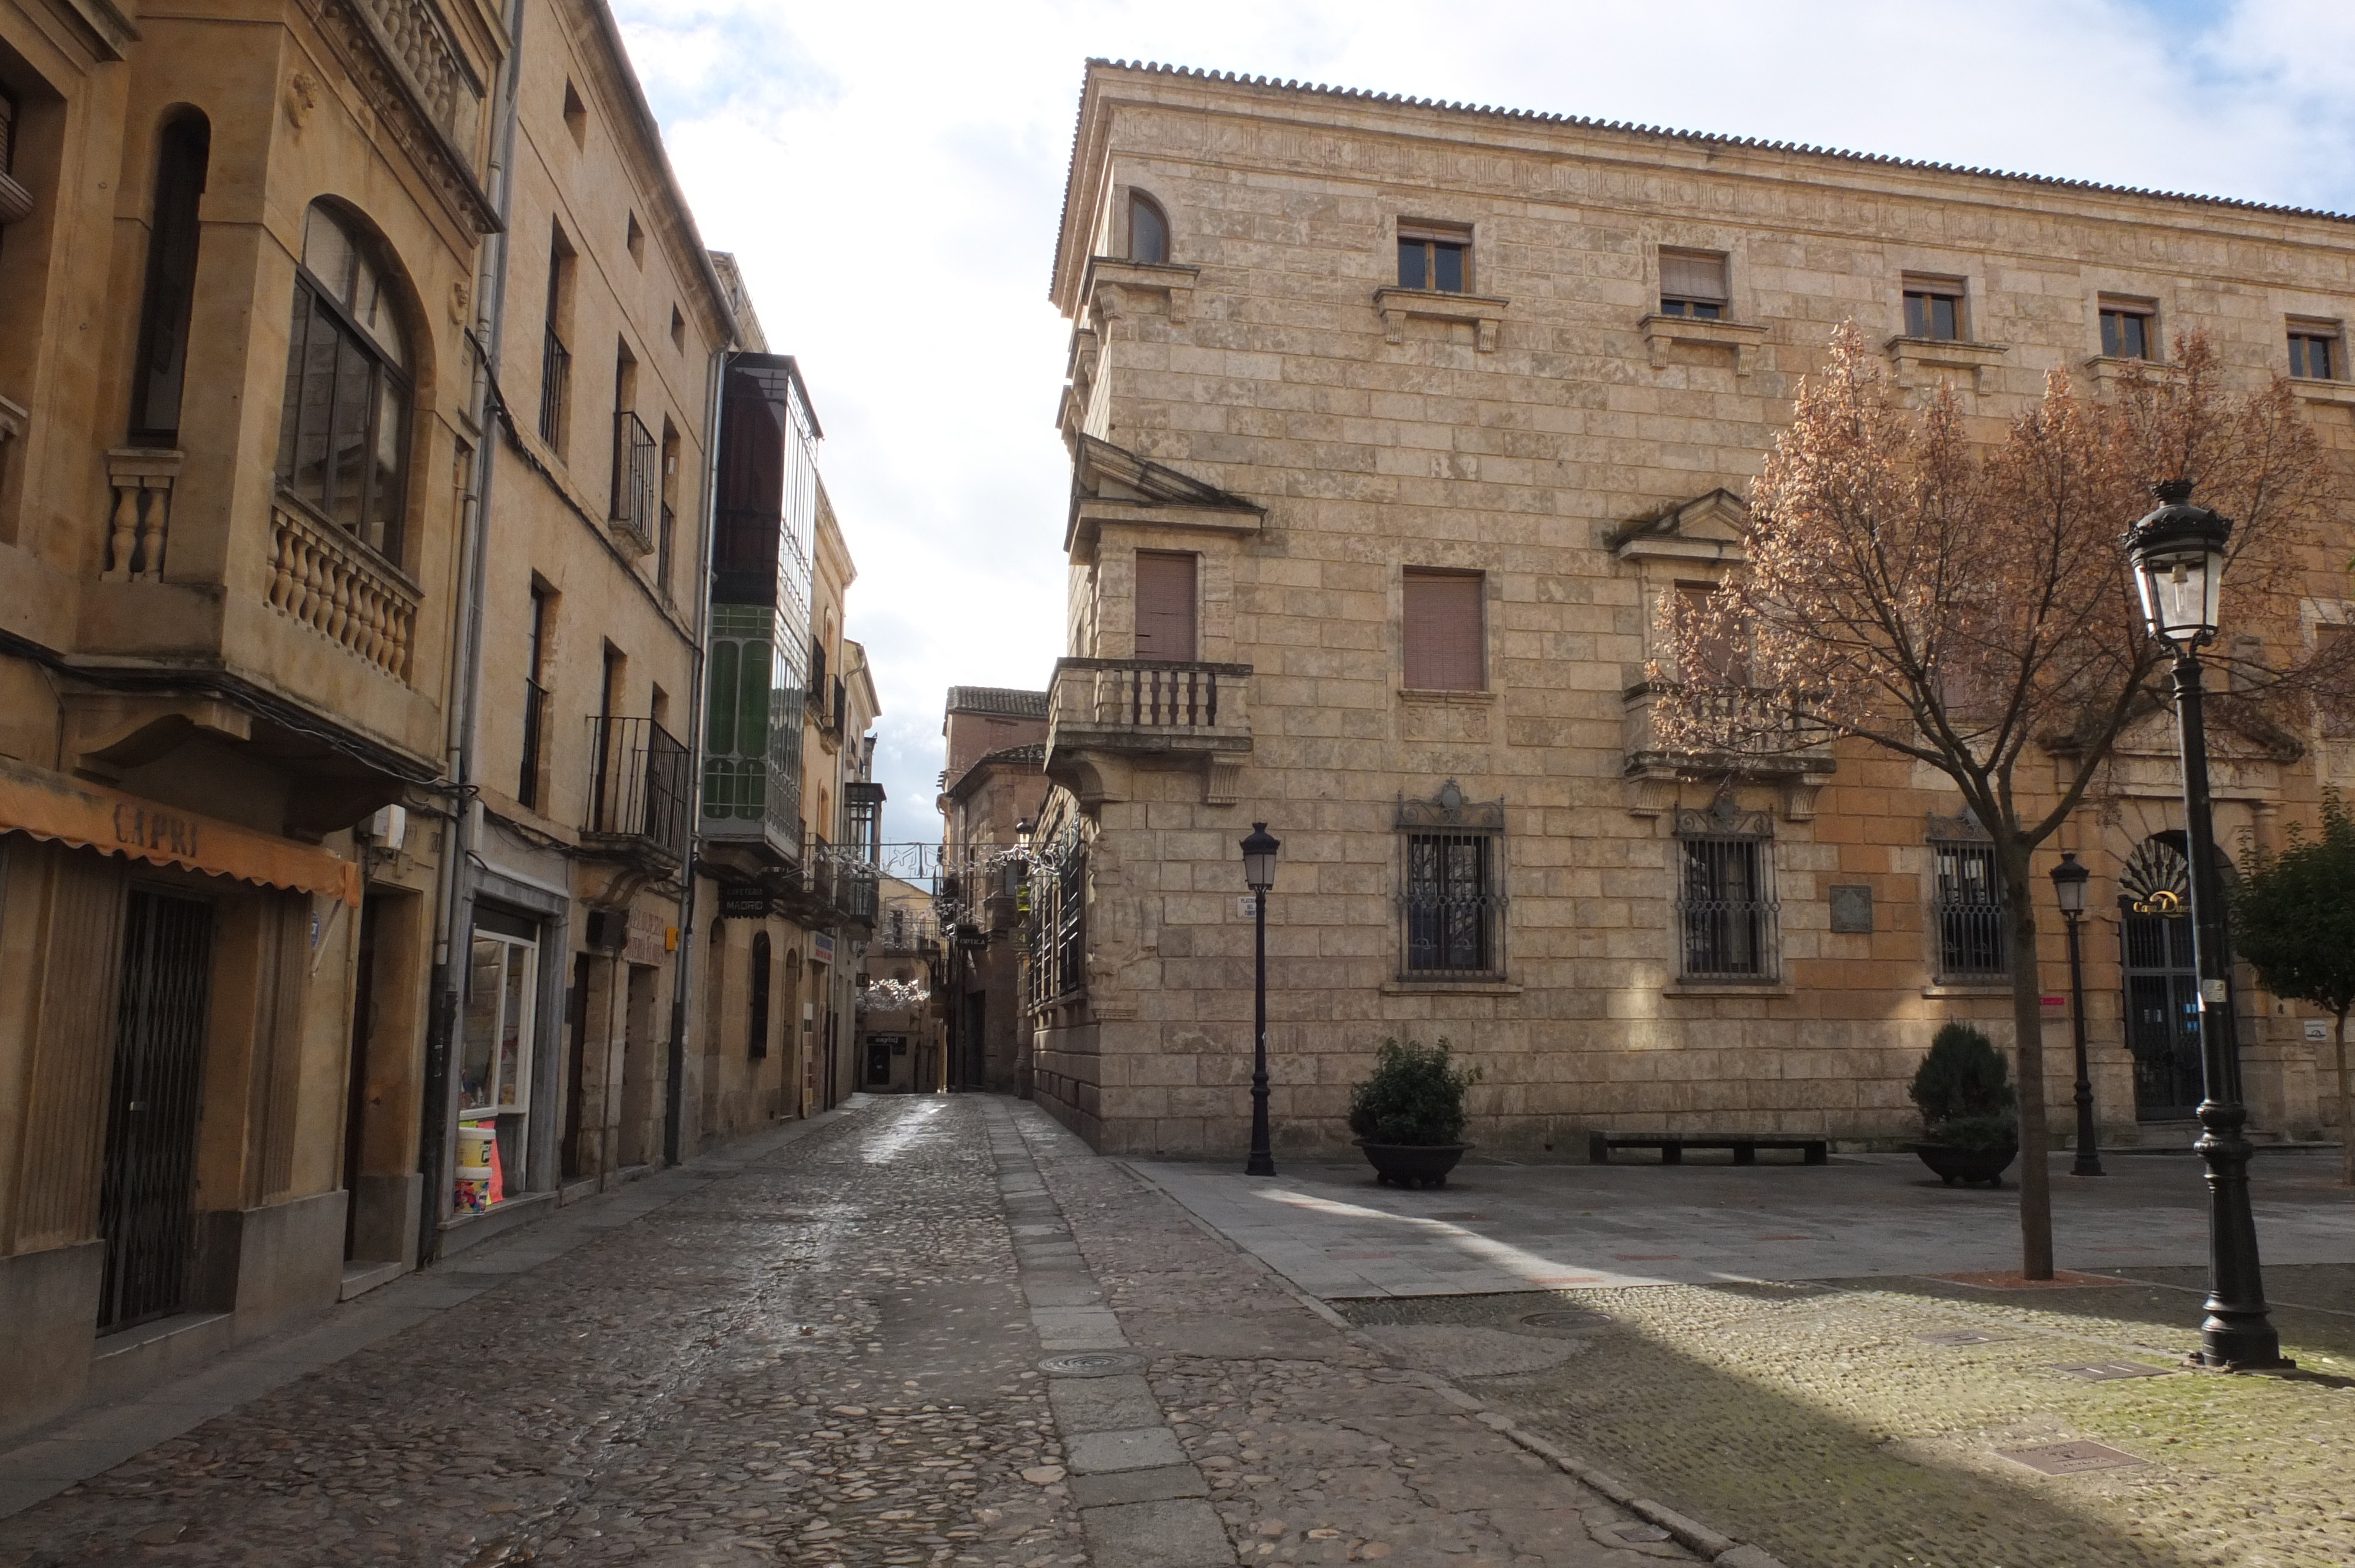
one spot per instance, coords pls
(1725, 895)
(1058, 883)
(1966, 903)
(1451, 887)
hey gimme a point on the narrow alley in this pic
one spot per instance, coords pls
(919, 1330)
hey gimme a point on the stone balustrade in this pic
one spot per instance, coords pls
(331, 584)
(1142, 704)
(419, 42)
(139, 515)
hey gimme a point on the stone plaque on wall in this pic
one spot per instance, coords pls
(1851, 907)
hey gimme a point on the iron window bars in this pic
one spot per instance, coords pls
(1059, 881)
(634, 479)
(1966, 903)
(1450, 889)
(1726, 911)
(555, 383)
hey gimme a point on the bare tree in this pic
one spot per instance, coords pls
(1965, 604)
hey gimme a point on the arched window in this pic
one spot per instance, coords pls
(343, 434)
(757, 1038)
(183, 152)
(1149, 230)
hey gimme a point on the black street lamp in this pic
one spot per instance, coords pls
(2069, 879)
(2177, 555)
(1259, 875)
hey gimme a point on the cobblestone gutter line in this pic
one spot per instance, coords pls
(1711, 1545)
(1142, 1503)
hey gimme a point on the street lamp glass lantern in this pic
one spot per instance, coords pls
(2177, 553)
(2069, 880)
(1259, 858)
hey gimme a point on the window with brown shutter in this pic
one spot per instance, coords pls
(1692, 283)
(1165, 606)
(1444, 645)
(1721, 657)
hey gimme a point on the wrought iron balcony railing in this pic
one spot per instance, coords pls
(639, 786)
(635, 481)
(555, 385)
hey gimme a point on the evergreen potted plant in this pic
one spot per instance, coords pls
(1969, 1124)
(1409, 1116)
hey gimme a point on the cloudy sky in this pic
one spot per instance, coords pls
(889, 177)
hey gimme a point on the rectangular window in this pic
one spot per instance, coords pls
(2314, 351)
(1725, 895)
(2127, 328)
(535, 701)
(1443, 631)
(556, 360)
(1452, 906)
(1933, 308)
(1721, 658)
(1966, 906)
(1437, 259)
(1165, 606)
(1058, 889)
(1692, 283)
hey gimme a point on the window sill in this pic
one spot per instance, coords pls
(1112, 279)
(1913, 356)
(2108, 369)
(1728, 988)
(1966, 987)
(1396, 987)
(2310, 390)
(1742, 338)
(1485, 313)
(1439, 695)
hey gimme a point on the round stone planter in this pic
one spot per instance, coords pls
(1968, 1165)
(1412, 1164)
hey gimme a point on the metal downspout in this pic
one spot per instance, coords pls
(457, 894)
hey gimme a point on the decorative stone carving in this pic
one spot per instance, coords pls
(302, 98)
(426, 98)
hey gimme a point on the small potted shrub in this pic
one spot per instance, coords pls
(1969, 1127)
(1409, 1116)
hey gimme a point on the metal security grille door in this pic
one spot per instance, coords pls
(145, 1215)
(2162, 1015)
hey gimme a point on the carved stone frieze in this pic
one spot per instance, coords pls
(440, 145)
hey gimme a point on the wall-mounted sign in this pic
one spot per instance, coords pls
(743, 901)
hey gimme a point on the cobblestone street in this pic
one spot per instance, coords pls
(838, 1347)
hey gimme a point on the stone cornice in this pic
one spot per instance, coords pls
(1109, 278)
(407, 108)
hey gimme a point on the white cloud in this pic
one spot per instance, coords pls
(890, 175)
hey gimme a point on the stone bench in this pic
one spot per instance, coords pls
(1672, 1145)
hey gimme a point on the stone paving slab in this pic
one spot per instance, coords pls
(1499, 1227)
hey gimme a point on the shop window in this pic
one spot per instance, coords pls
(182, 153)
(1725, 906)
(343, 432)
(496, 1033)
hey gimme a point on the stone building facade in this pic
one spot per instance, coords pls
(991, 793)
(237, 441)
(1390, 423)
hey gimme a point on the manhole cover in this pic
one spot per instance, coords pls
(1961, 1337)
(1092, 1363)
(2103, 1371)
(1569, 1317)
(2072, 1459)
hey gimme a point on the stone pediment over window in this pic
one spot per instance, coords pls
(1449, 810)
(1706, 529)
(1112, 484)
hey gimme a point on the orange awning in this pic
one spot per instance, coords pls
(90, 816)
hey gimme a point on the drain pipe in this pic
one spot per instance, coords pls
(453, 914)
